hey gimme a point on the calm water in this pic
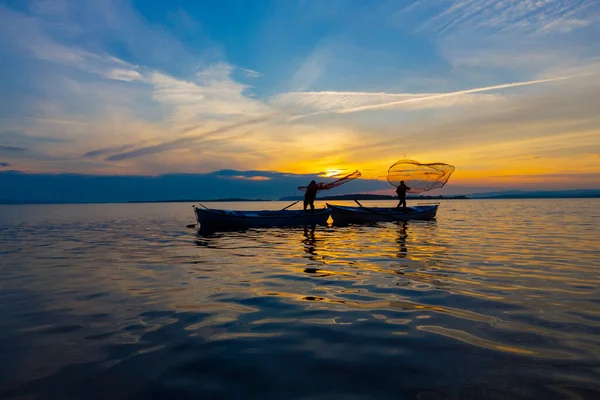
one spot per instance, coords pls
(494, 300)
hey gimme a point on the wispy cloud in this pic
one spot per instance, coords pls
(340, 102)
(109, 150)
(30, 35)
(213, 92)
(529, 16)
(463, 92)
(124, 74)
(252, 74)
(185, 141)
(251, 178)
(20, 138)
(406, 99)
(12, 149)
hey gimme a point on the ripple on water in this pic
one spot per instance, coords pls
(494, 299)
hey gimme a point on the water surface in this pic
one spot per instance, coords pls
(495, 299)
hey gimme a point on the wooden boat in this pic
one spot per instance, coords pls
(344, 215)
(208, 217)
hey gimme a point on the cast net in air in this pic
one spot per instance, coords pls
(336, 183)
(419, 177)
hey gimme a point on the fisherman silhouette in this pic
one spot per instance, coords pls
(401, 192)
(311, 195)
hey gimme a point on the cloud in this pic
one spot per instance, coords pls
(252, 74)
(339, 102)
(4, 164)
(185, 141)
(407, 99)
(108, 150)
(124, 75)
(12, 149)
(100, 26)
(31, 35)
(530, 17)
(252, 178)
(213, 92)
(20, 138)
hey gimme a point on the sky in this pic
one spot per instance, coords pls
(507, 91)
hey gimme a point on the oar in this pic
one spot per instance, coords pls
(283, 209)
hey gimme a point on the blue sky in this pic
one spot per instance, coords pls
(507, 91)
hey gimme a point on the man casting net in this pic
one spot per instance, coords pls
(326, 186)
(418, 177)
(314, 187)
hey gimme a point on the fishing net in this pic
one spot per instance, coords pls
(336, 183)
(419, 177)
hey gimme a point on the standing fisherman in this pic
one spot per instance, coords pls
(401, 192)
(310, 195)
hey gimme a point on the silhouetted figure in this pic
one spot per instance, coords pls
(310, 195)
(401, 192)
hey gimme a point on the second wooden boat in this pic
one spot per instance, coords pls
(344, 214)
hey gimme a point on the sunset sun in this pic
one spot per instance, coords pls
(332, 172)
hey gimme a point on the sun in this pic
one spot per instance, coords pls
(331, 172)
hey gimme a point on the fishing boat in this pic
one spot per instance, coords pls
(344, 214)
(209, 217)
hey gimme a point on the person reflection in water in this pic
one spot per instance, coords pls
(310, 241)
(402, 235)
(401, 192)
(311, 195)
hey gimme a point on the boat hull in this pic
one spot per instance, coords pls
(249, 219)
(345, 215)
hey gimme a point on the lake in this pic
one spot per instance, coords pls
(495, 299)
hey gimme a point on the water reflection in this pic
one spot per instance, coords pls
(402, 236)
(212, 231)
(310, 242)
(353, 307)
